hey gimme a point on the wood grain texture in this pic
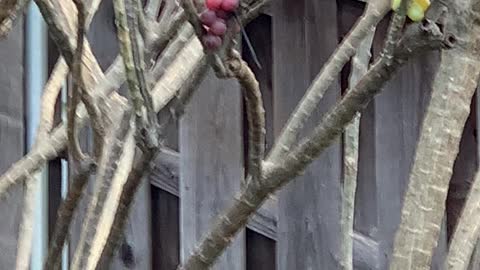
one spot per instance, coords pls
(164, 177)
(11, 137)
(309, 208)
(211, 164)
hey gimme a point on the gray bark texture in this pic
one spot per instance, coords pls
(449, 107)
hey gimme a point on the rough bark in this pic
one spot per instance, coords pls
(418, 38)
(467, 231)
(373, 14)
(453, 87)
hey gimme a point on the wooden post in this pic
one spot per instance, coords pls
(211, 165)
(11, 138)
(304, 36)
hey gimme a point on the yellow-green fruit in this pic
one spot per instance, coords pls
(396, 4)
(416, 10)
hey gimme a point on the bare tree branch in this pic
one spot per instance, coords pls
(86, 95)
(164, 35)
(107, 167)
(65, 213)
(171, 52)
(125, 201)
(419, 38)
(255, 115)
(56, 80)
(25, 234)
(185, 66)
(437, 147)
(51, 146)
(395, 28)
(466, 233)
(192, 16)
(153, 8)
(114, 199)
(9, 11)
(127, 32)
(166, 13)
(359, 67)
(374, 12)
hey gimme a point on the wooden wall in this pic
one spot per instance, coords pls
(12, 142)
(309, 207)
(300, 226)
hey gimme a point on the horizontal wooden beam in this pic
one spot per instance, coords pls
(165, 175)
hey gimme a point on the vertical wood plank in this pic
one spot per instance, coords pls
(165, 230)
(304, 36)
(211, 165)
(11, 138)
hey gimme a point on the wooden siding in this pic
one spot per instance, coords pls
(12, 140)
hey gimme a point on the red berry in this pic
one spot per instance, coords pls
(219, 27)
(223, 14)
(229, 5)
(208, 17)
(211, 41)
(214, 4)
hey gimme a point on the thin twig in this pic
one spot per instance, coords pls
(420, 38)
(74, 148)
(359, 67)
(139, 94)
(192, 17)
(395, 29)
(255, 115)
(9, 12)
(49, 97)
(169, 54)
(86, 95)
(214, 57)
(65, 213)
(373, 14)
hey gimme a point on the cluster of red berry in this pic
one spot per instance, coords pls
(214, 19)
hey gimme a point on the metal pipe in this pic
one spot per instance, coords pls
(35, 78)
